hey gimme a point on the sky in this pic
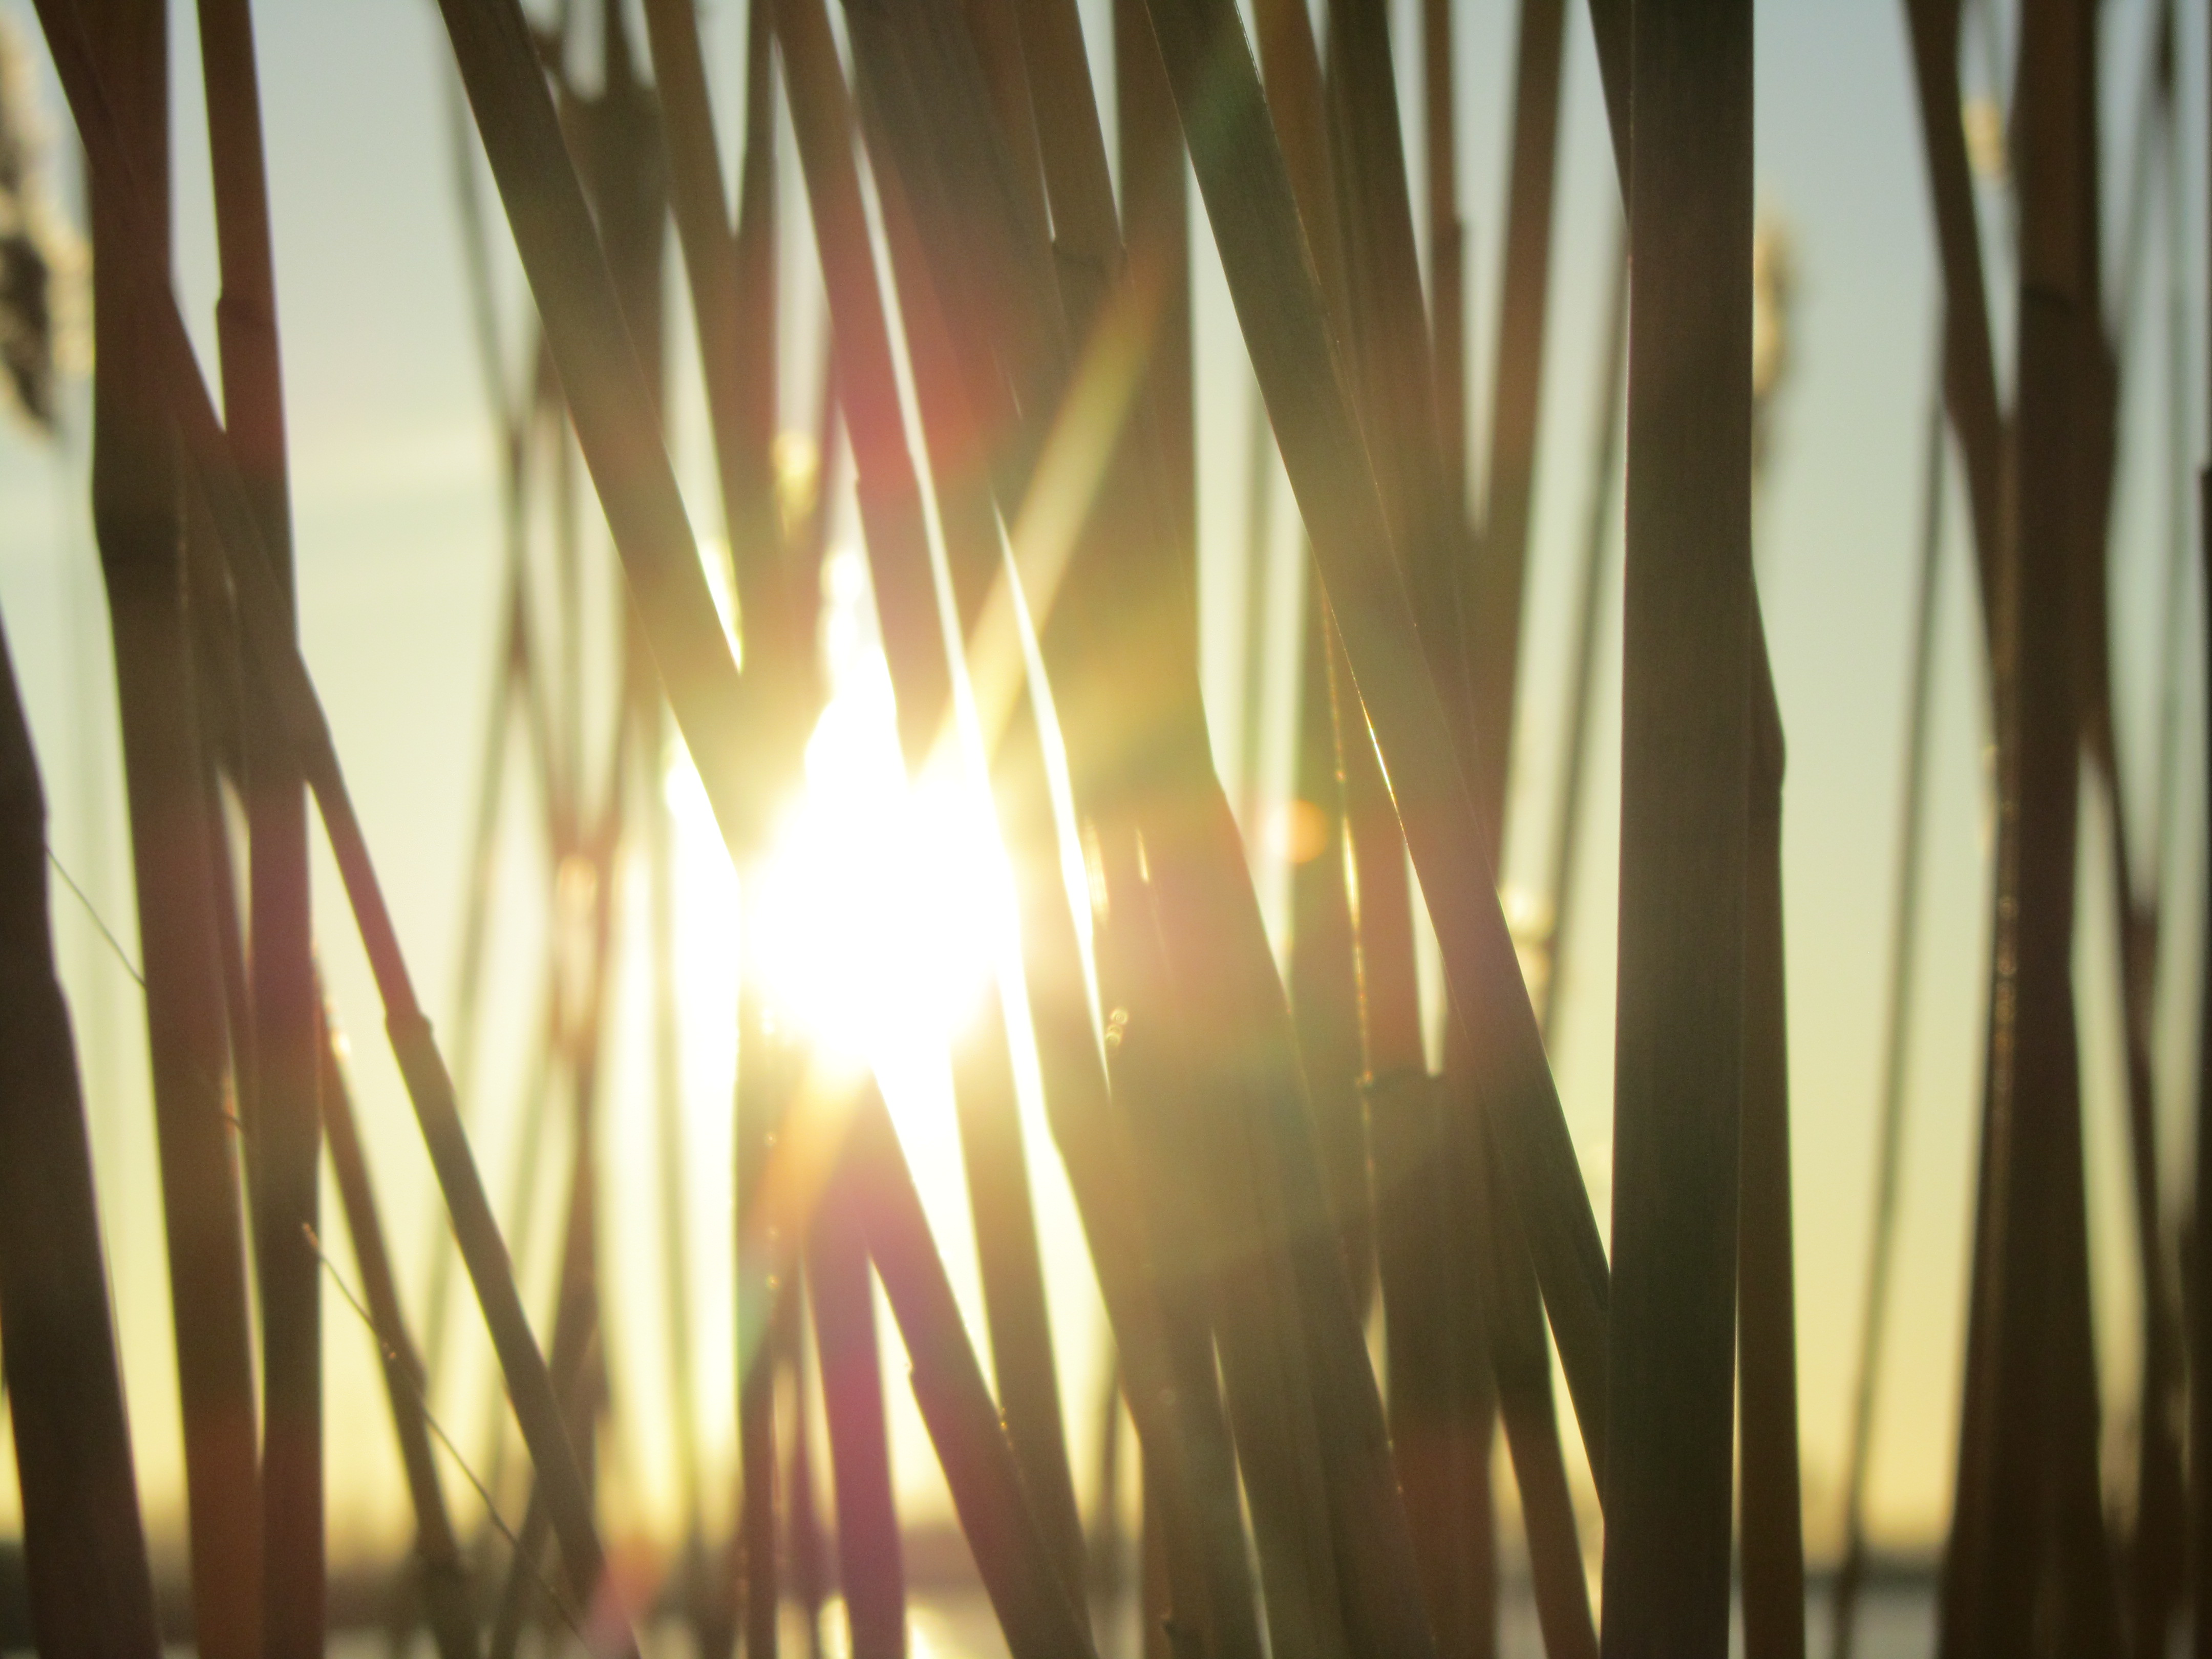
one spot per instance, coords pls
(396, 503)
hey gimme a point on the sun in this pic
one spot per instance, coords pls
(876, 914)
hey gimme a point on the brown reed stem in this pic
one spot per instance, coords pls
(445, 1581)
(84, 1545)
(869, 1556)
(1770, 1501)
(288, 1124)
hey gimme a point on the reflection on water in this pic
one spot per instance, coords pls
(1895, 1621)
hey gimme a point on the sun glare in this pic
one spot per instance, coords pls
(873, 920)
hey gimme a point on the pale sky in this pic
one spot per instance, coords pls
(396, 505)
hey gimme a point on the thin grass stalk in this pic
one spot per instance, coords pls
(137, 524)
(1687, 659)
(1440, 1447)
(1194, 1592)
(1905, 915)
(2155, 1540)
(1447, 247)
(1521, 1361)
(1242, 177)
(1970, 387)
(1493, 597)
(1592, 575)
(809, 1584)
(767, 1068)
(89, 1588)
(284, 678)
(1323, 945)
(445, 1579)
(287, 1129)
(1442, 1400)
(1391, 359)
(2030, 1528)
(869, 1555)
(1156, 216)
(2198, 1280)
(1771, 1502)
(1259, 575)
(668, 1136)
(1324, 984)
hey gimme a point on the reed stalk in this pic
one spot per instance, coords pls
(1904, 916)
(444, 1580)
(766, 1078)
(2153, 1542)
(2027, 1468)
(1970, 387)
(869, 1555)
(2198, 1280)
(288, 1127)
(138, 524)
(1772, 1552)
(84, 1545)
(1593, 570)
(1688, 657)
(1324, 985)
(1492, 599)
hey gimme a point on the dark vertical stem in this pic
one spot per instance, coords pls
(868, 1553)
(803, 1520)
(2199, 1277)
(765, 1065)
(1590, 584)
(1493, 595)
(1447, 247)
(287, 1129)
(1685, 754)
(84, 1547)
(135, 516)
(1259, 569)
(1323, 982)
(445, 1583)
(1969, 370)
(1904, 916)
(1773, 1543)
